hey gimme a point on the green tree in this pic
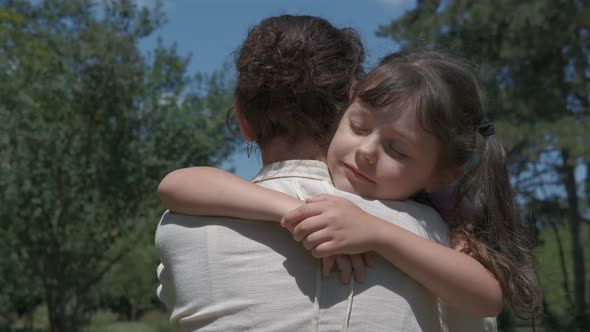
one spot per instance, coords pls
(129, 288)
(533, 57)
(88, 127)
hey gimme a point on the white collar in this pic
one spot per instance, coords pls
(310, 169)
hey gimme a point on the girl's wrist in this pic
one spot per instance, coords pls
(286, 205)
(381, 236)
(391, 240)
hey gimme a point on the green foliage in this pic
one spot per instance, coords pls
(533, 58)
(129, 288)
(88, 127)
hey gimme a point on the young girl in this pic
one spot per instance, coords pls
(411, 127)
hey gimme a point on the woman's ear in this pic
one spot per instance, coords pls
(243, 124)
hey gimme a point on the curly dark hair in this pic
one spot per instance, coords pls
(294, 77)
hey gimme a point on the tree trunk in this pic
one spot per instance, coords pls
(575, 220)
(59, 317)
(56, 312)
(562, 264)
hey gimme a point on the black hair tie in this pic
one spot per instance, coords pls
(486, 128)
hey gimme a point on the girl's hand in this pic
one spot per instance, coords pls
(348, 264)
(329, 225)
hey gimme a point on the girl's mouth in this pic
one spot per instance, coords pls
(355, 172)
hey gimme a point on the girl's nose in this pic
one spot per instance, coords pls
(367, 151)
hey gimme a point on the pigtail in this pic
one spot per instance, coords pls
(495, 237)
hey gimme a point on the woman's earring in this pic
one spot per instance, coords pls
(249, 149)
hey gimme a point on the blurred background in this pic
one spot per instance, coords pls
(99, 100)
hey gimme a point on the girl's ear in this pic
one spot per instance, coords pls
(243, 124)
(444, 177)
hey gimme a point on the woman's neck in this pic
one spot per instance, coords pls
(279, 149)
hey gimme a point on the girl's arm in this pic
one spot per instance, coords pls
(214, 192)
(329, 225)
(453, 276)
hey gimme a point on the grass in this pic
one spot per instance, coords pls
(105, 321)
(153, 321)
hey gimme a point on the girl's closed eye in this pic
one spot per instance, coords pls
(357, 129)
(395, 151)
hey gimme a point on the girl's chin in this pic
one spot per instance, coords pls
(343, 184)
(346, 185)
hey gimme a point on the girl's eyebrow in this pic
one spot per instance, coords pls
(361, 112)
(362, 108)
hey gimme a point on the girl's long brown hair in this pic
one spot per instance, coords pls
(450, 104)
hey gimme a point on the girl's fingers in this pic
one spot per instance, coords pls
(345, 266)
(328, 265)
(370, 258)
(294, 217)
(323, 249)
(305, 228)
(358, 267)
(315, 238)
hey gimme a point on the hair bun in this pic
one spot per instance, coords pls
(284, 61)
(294, 74)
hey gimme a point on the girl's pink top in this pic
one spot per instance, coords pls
(444, 200)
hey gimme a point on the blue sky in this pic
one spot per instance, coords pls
(210, 30)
